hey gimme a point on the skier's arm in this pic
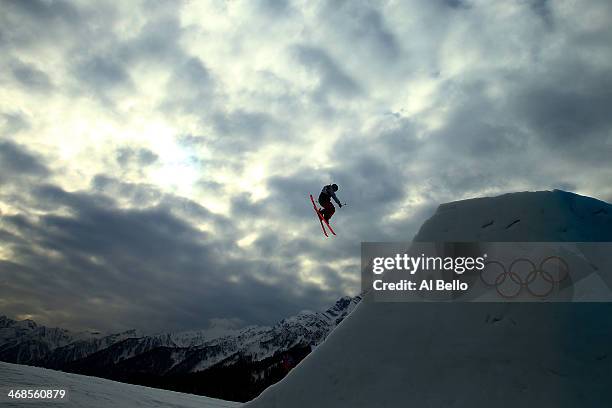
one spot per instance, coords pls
(333, 195)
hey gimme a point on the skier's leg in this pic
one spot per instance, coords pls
(323, 211)
(323, 200)
(328, 210)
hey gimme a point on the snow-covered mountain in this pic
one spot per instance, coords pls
(25, 341)
(189, 361)
(89, 392)
(80, 349)
(470, 354)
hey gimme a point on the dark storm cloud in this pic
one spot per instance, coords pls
(364, 25)
(192, 140)
(542, 9)
(377, 170)
(544, 122)
(30, 76)
(243, 131)
(147, 195)
(190, 89)
(373, 171)
(373, 188)
(383, 39)
(456, 4)
(292, 192)
(275, 8)
(51, 198)
(44, 11)
(332, 78)
(243, 122)
(102, 73)
(34, 22)
(140, 156)
(112, 262)
(194, 73)
(156, 43)
(374, 179)
(289, 201)
(368, 184)
(482, 136)
(564, 115)
(132, 160)
(476, 149)
(83, 32)
(210, 186)
(567, 117)
(13, 122)
(121, 250)
(16, 161)
(243, 207)
(520, 104)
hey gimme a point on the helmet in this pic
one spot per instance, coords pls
(335, 187)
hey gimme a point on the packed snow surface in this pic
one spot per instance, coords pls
(470, 354)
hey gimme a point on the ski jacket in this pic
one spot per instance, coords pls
(329, 191)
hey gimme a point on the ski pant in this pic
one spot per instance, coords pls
(328, 207)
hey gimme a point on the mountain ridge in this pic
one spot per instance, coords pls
(263, 353)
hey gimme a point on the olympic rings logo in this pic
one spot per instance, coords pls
(538, 281)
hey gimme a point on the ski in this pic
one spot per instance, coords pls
(329, 226)
(318, 215)
(321, 218)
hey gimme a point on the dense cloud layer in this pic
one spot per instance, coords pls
(156, 156)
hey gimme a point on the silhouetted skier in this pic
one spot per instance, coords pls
(325, 197)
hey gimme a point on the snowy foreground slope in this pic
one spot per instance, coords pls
(470, 354)
(90, 392)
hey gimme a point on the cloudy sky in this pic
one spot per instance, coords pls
(156, 156)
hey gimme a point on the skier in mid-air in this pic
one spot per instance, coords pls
(324, 214)
(327, 193)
